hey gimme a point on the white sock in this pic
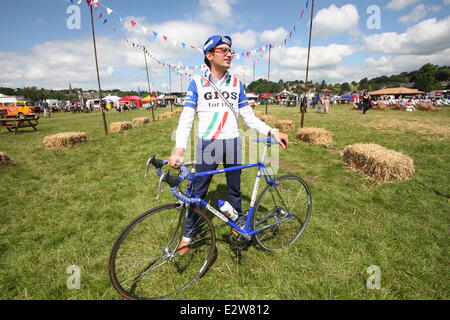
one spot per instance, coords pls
(185, 239)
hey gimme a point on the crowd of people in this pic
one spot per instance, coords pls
(407, 103)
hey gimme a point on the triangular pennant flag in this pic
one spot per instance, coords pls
(155, 34)
(121, 18)
(183, 45)
(109, 11)
(132, 23)
(105, 21)
(307, 3)
(303, 12)
(165, 38)
(100, 16)
(174, 43)
(144, 29)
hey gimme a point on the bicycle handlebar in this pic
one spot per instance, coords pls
(172, 181)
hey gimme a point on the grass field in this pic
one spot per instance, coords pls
(66, 207)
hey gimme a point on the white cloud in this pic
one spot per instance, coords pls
(321, 56)
(334, 21)
(446, 1)
(244, 40)
(398, 5)
(41, 21)
(426, 37)
(216, 11)
(394, 65)
(434, 8)
(274, 36)
(418, 13)
(52, 64)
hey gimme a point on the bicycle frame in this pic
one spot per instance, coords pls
(247, 231)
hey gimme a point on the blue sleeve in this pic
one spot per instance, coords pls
(243, 101)
(191, 95)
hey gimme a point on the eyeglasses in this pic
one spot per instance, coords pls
(224, 51)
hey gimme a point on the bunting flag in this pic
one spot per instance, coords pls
(184, 45)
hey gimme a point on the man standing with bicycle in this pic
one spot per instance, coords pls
(218, 98)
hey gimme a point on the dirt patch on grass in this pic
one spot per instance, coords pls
(420, 126)
(289, 166)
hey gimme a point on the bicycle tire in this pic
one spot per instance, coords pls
(155, 236)
(270, 207)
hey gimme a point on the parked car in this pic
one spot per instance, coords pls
(19, 108)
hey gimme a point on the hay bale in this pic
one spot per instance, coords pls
(120, 126)
(161, 116)
(140, 121)
(64, 140)
(315, 136)
(5, 160)
(285, 125)
(268, 118)
(258, 113)
(379, 163)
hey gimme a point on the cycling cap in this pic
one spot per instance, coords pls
(214, 41)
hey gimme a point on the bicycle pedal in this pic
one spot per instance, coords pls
(235, 233)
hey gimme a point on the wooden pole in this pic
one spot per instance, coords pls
(148, 82)
(268, 69)
(98, 74)
(303, 104)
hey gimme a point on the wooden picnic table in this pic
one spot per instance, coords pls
(14, 124)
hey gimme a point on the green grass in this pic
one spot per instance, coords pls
(66, 207)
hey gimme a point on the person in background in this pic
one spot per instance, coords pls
(366, 99)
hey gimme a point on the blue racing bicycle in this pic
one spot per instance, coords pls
(146, 260)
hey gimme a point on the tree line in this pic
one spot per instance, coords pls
(428, 78)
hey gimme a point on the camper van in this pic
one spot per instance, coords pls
(18, 109)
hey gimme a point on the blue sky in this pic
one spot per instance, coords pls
(37, 48)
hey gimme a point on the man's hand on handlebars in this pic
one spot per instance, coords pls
(177, 158)
(281, 138)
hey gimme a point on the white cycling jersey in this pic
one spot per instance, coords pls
(216, 119)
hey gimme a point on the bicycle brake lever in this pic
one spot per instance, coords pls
(160, 184)
(148, 166)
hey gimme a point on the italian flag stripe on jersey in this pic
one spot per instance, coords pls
(211, 125)
(235, 81)
(220, 127)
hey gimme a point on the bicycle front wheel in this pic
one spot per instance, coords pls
(146, 262)
(282, 212)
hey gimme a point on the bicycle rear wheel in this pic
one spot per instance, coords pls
(145, 262)
(291, 201)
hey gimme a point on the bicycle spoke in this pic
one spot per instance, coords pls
(157, 275)
(290, 197)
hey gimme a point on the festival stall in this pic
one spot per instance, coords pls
(134, 101)
(396, 92)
